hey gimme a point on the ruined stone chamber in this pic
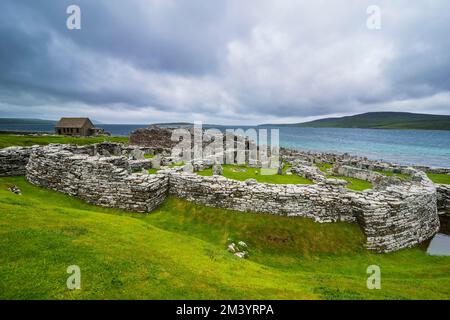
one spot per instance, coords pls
(394, 214)
(13, 160)
(321, 202)
(101, 180)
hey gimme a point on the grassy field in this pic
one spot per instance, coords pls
(353, 183)
(8, 140)
(177, 164)
(179, 252)
(439, 178)
(229, 171)
(324, 167)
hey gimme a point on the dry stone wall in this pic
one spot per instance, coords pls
(358, 173)
(443, 198)
(14, 160)
(393, 217)
(322, 202)
(104, 181)
(398, 216)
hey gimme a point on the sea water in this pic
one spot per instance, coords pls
(419, 147)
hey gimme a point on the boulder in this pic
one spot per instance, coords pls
(105, 153)
(280, 170)
(242, 244)
(217, 169)
(188, 168)
(232, 248)
(156, 162)
(241, 255)
(137, 154)
(16, 190)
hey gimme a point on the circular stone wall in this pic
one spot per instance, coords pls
(393, 215)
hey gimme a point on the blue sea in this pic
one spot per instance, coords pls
(419, 147)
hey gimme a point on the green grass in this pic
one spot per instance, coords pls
(255, 173)
(153, 171)
(353, 183)
(402, 176)
(179, 252)
(177, 164)
(324, 167)
(8, 140)
(149, 156)
(439, 178)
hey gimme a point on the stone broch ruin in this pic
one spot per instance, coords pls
(395, 214)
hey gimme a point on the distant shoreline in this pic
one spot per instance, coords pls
(369, 120)
(24, 132)
(407, 147)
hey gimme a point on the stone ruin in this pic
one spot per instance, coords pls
(161, 138)
(107, 181)
(395, 214)
(155, 137)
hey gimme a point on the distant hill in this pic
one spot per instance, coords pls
(383, 120)
(25, 121)
(370, 120)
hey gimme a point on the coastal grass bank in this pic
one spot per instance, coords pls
(179, 252)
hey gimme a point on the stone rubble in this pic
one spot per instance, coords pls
(107, 182)
(217, 169)
(15, 190)
(240, 249)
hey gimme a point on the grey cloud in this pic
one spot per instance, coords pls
(223, 60)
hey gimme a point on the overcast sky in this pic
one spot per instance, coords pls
(223, 62)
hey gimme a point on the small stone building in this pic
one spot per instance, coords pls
(75, 127)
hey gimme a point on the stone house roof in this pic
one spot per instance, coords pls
(74, 123)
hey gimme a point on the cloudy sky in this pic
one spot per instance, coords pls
(230, 62)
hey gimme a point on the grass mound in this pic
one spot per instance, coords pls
(242, 173)
(402, 176)
(354, 184)
(439, 178)
(324, 167)
(179, 252)
(177, 164)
